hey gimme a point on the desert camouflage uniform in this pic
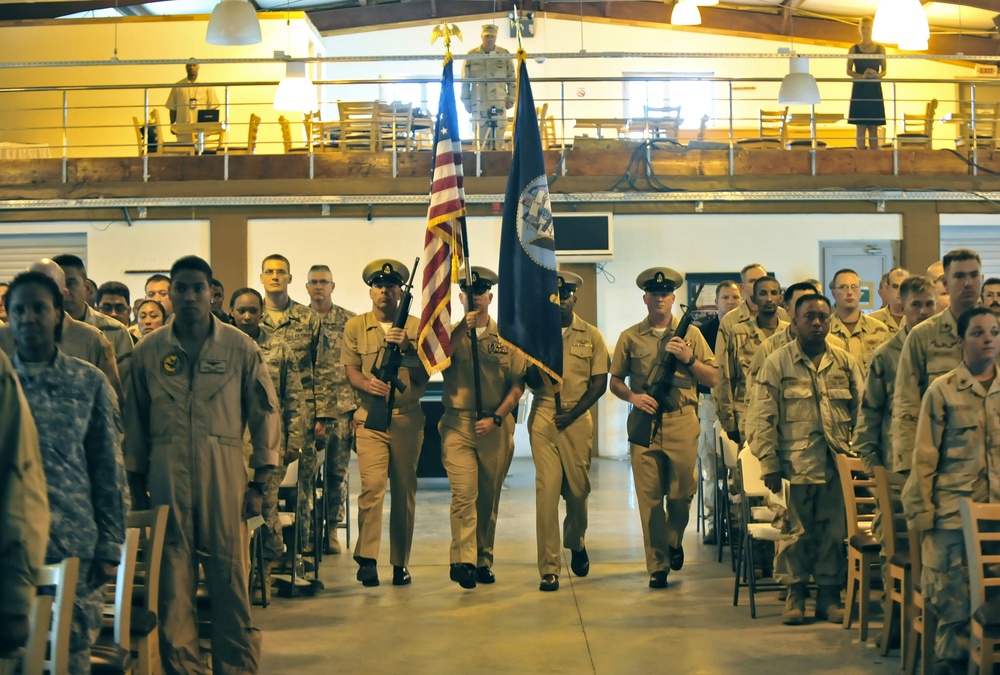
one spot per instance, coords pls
(862, 342)
(885, 316)
(80, 432)
(734, 357)
(956, 456)
(478, 95)
(930, 350)
(117, 335)
(282, 366)
(24, 500)
(300, 330)
(336, 402)
(806, 415)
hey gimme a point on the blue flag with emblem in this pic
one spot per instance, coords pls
(528, 308)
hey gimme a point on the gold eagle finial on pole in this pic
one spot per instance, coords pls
(446, 30)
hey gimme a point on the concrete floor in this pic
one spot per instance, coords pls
(608, 622)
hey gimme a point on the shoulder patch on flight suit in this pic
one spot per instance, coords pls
(211, 366)
(171, 363)
(498, 347)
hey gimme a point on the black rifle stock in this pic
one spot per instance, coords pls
(387, 369)
(662, 388)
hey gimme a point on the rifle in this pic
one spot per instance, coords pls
(662, 388)
(386, 369)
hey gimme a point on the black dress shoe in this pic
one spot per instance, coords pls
(485, 575)
(676, 557)
(368, 573)
(580, 563)
(550, 582)
(464, 574)
(658, 579)
(401, 575)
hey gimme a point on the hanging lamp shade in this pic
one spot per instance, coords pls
(704, 3)
(799, 86)
(233, 23)
(900, 21)
(913, 45)
(295, 92)
(685, 13)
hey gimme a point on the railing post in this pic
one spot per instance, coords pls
(732, 139)
(812, 133)
(562, 115)
(145, 144)
(972, 128)
(65, 137)
(225, 134)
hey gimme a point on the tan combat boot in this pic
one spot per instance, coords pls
(828, 605)
(332, 543)
(795, 606)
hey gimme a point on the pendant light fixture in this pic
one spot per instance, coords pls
(903, 23)
(295, 91)
(685, 13)
(798, 87)
(233, 23)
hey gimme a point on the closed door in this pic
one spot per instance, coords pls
(870, 259)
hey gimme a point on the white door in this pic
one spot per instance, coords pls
(870, 259)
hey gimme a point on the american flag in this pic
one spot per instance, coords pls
(443, 238)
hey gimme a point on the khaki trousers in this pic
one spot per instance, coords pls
(562, 467)
(476, 470)
(204, 489)
(388, 457)
(666, 469)
(816, 524)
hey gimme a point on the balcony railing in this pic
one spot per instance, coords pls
(725, 115)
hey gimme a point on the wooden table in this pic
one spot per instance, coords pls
(665, 127)
(598, 123)
(199, 130)
(812, 120)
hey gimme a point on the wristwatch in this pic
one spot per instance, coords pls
(691, 362)
(256, 485)
(497, 420)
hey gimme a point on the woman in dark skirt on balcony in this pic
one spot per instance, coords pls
(867, 107)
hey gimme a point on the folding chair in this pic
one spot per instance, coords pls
(756, 524)
(726, 452)
(63, 577)
(863, 549)
(981, 526)
(289, 515)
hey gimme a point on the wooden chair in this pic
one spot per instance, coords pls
(923, 624)
(862, 549)
(357, 125)
(152, 529)
(39, 622)
(898, 590)
(756, 525)
(987, 128)
(918, 129)
(547, 128)
(111, 654)
(703, 127)
(251, 146)
(772, 132)
(727, 453)
(659, 123)
(162, 147)
(394, 126)
(981, 526)
(63, 577)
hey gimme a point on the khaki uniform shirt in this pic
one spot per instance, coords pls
(734, 357)
(804, 412)
(193, 407)
(584, 356)
(886, 317)
(334, 394)
(299, 328)
(868, 334)
(872, 439)
(500, 367)
(478, 95)
(957, 453)
(114, 330)
(741, 314)
(364, 340)
(24, 502)
(639, 349)
(929, 351)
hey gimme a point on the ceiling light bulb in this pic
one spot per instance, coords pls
(685, 13)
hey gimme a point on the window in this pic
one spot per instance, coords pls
(661, 90)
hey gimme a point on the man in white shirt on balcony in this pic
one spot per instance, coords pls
(187, 98)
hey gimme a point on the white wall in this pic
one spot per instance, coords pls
(787, 243)
(114, 247)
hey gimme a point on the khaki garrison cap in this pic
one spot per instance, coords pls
(659, 280)
(568, 280)
(385, 270)
(483, 279)
(489, 29)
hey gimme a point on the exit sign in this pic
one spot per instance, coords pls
(983, 70)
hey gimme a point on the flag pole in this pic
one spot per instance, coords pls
(446, 30)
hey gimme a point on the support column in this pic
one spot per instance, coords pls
(228, 239)
(921, 237)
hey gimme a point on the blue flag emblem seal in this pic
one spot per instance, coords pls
(534, 223)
